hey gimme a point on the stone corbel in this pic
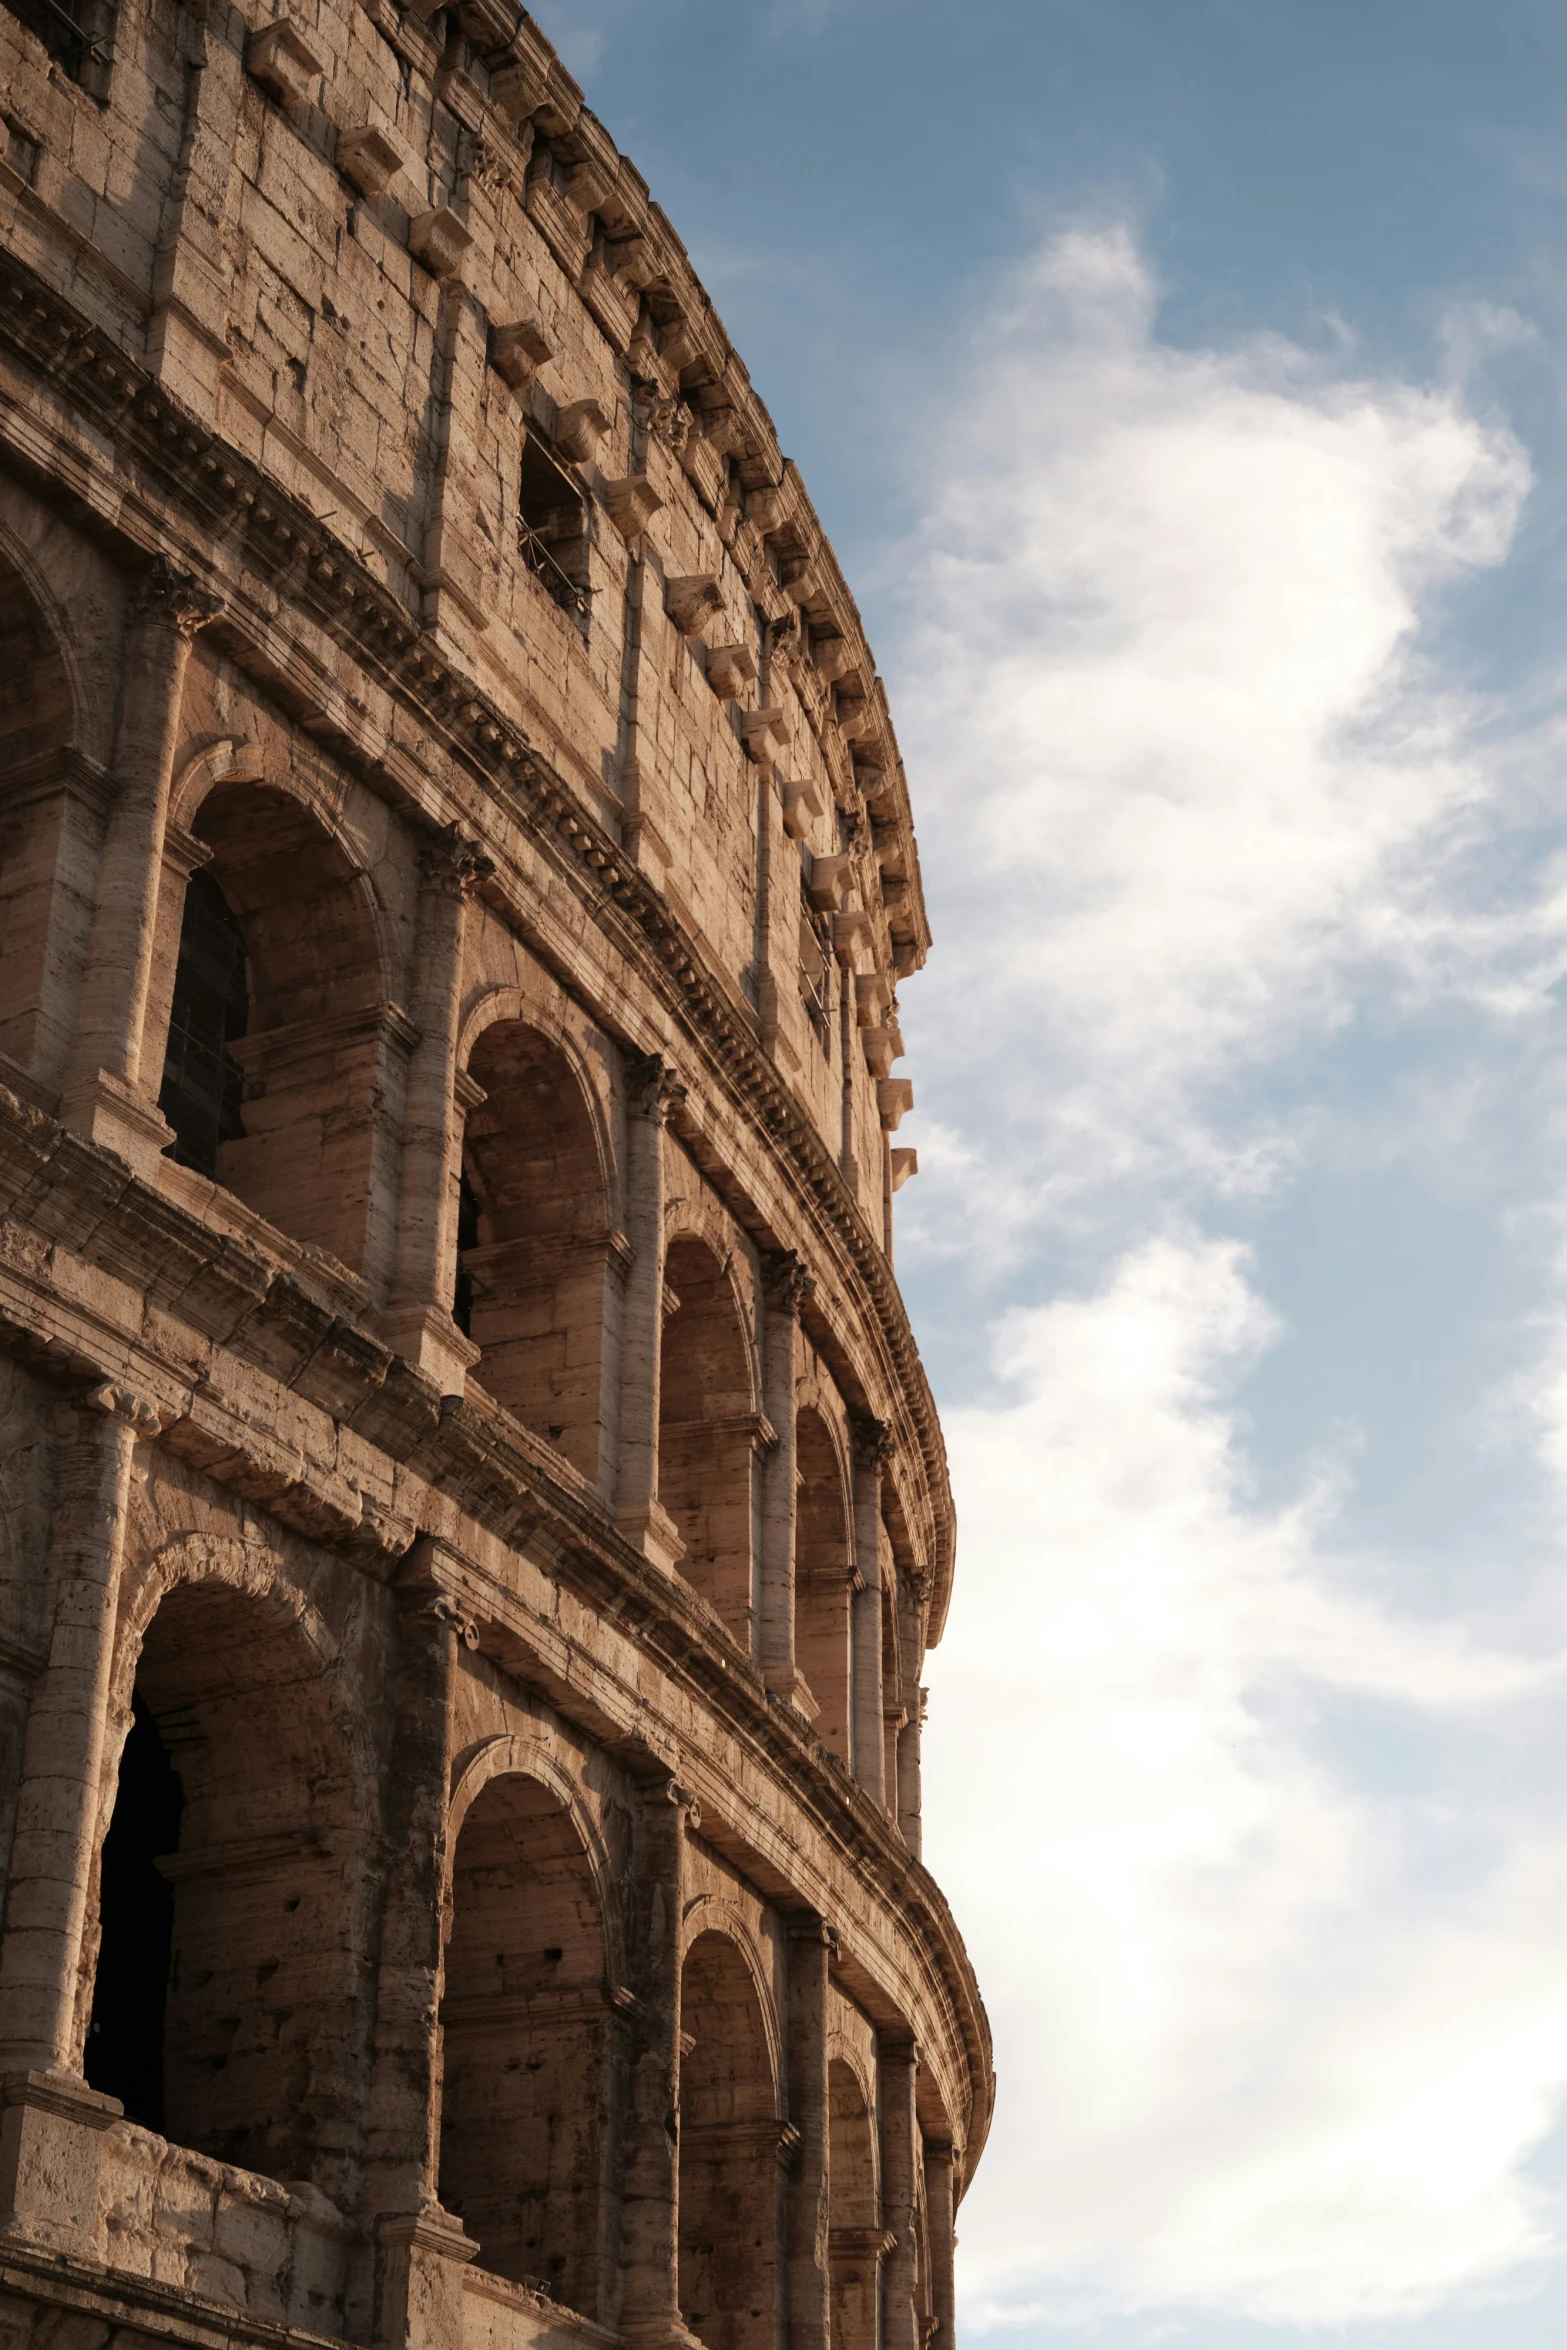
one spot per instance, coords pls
(882, 1046)
(730, 669)
(894, 1099)
(851, 931)
(872, 996)
(905, 1162)
(763, 731)
(631, 258)
(369, 159)
(585, 185)
(631, 504)
(282, 61)
(802, 806)
(829, 883)
(834, 656)
(692, 600)
(857, 716)
(439, 239)
(579, 428)
(518, 350)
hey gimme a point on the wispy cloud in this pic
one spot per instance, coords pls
(1258, 1866)
(1268, 2046)
(1185, 768)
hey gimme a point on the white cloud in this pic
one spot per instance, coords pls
(1253, 2059)
(1183, 770)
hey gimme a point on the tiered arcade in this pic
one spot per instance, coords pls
(471, 1513)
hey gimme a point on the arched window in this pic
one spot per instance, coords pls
(230, 1951)
(537, 1280)
(525, 2018)
(731, 2180)
(708, 1432)
(274, 1077)
(856, 2241)
(823, 1584)
(49, 835)
(202, 1082)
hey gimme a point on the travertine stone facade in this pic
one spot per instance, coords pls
(471, 1513)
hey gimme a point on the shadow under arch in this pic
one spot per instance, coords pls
(732, 2141)
(233, 1919)
(529, 2019)
(824, 1579)
(279, 1022)
(540, 1269)
(709, 1430)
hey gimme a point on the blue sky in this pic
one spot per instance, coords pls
(1181, 382)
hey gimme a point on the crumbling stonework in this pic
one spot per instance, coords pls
(471, 1513)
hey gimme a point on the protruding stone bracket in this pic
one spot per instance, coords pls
(369, 159)
(518, 350)
(282, 61)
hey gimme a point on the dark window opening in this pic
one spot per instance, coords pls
(75, 33)
(202, 1082)
(467, 1238)
(816, 973)
(136, 1917)
(552, 525)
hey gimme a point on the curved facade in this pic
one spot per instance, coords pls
(471, 1512)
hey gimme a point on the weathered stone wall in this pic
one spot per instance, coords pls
(471, 1513)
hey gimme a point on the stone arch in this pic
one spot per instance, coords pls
(731, 2141)
(709, 1427)
(513, 1754)
(280, 1020)
(540, 1263)
(712, 1913)
(233, 1947)
(530, 1999)
(824, 1575)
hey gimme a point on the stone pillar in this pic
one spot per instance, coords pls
(414, 2295)
(808, 2275)
(650, 2206)
(43, 1998)
(899, 2070)
(652, 1091)
(788, 1285)
(103, 1095)
(939, 2219)
(50, 2121)
(419, 1317)
(872, 1445)
(909, 1778)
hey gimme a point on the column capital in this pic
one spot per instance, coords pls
(652, 1088)
(789, 1281)
(454, 864)
(167, 595)
(874, 1442)
(141, 1413)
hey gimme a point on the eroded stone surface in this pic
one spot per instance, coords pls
(471, 1513)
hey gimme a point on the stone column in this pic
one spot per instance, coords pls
(899, 2070)
(872, 1446)
(419, 1316)
(652, 1091)
(43, 2000)
(909, 1786)
(103, 1095)
(414, 2294)
(50, 2121)
(650, 2206)
(939, 2218)
(808, 2273)
(788, 1285)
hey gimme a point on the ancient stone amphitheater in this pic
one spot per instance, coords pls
(471, 1513)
